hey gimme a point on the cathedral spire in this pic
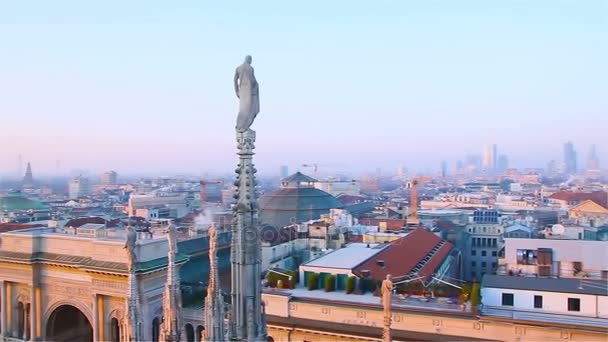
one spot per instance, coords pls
(214, 303)
(133, 307)
(246, 321)
(172, 297)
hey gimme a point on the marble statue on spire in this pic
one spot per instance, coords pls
(134, 316)
(387, 291)
(130, 247)
(247, 90)
(246, 322)
(214, 303)
(172, 297)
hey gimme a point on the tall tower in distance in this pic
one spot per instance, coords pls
(28, 179)
(489, 158)
(284, 171)
(109, 178)
(593, 161)
(570, 166)
(503, 163)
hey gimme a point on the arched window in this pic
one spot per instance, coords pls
(114, 330)
(155, 329)
(20, 319)
(190, 332)
(199, 332)
(27, 318)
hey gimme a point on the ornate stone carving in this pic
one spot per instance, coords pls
(247, 90)
(172, 301)
(387, 293)
(214, 303)
(109, 285)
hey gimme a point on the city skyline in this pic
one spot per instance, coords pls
(133, 88)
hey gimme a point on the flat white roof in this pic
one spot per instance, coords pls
(441, 212)
(347, 258)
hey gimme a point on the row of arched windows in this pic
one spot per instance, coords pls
(191, 334)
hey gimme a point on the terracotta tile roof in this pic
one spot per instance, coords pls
(599, 197)
(9, 227)
(402, 256)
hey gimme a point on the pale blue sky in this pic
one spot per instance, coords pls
(147, 85)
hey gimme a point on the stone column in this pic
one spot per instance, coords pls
(26, 321)
(95, 319)
(4, 299)
(34, 319)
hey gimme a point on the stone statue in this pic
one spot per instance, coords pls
(130, 247)
(387, 291)
(171, 238)
(247, 90)
(212, 238)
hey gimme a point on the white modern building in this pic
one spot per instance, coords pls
(339, 187)
(109, 178)
(555, 300)
(557, 281)
(156, 205)
(556, 258)
(78, 187)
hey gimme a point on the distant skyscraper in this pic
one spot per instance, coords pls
(378, 172)
(284, 172)
(473, 162)
(503, 163)
(593, 161)
(569, 158)
(444, 168)
(489, 158)
(401, 171)
(109, 178)
(28, 179)
(551, 168)
(78, 187)
(459, 166)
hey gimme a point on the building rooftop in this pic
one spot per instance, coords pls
(599, 197)
(441, 212)
(298, 178)
(369, 299)
(420, 252)
(588, 286)
(15, 201)
(518, 226)
(347, 258)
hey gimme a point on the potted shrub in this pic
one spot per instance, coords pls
(330, 283)
(351, 282)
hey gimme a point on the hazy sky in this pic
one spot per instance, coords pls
(146, 86)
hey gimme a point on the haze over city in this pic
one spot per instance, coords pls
(147, 88)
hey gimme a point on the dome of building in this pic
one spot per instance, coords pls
(296, 201)
(16, 202)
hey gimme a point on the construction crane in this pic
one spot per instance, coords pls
(413, 186)
(314, 166)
